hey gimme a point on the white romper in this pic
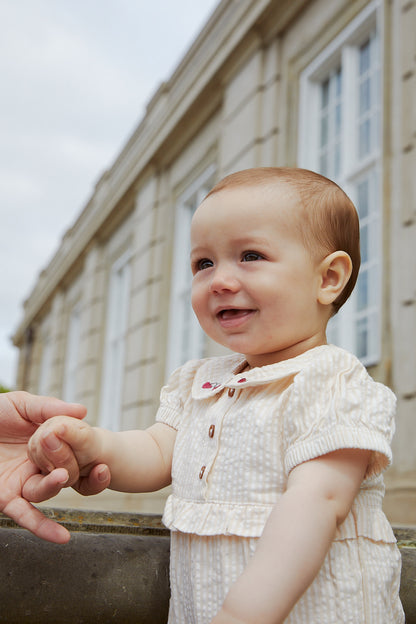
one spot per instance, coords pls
(240, 433)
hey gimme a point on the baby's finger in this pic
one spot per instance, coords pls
(48, 452)
(39, 487)
(60, 455)
(95, 482)
(75, 436)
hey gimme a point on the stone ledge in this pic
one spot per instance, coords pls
(115, 568)
(87, 521)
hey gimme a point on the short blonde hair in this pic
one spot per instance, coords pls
(329, 215)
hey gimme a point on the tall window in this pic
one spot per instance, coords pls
(340, 137)
(115, 339)
(71, 355)
(186, 338)
(44, 383)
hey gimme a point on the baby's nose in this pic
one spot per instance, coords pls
(224, 279)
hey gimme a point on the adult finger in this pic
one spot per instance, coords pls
(37, 409)
(27, 516)
(40, 487)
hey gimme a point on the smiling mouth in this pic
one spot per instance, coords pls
(232, 313)
(233, 316)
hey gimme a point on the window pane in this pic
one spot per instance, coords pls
(186, 338)
(362, 338)
(45, 368)
(185, 333)
(364, 55)
(362, 291)
(338, 119)
(364, 235)
(337, 160)
(324, 131)
(330, 129)
(362, 200)
(333, 330)
(323, 164)
(364, 96)
(364, 141)
(115, 340)
(368, 93)
(338, 82)
(325, 93)
(71, 356)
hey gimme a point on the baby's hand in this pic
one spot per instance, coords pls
(65, 442)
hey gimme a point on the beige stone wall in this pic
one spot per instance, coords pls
(401, 495)
(234, 102)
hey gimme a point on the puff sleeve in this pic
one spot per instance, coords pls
(175, 393)
(335, 404)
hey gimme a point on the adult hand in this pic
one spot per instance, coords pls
(20, 480)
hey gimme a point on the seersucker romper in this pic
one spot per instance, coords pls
(239, 434)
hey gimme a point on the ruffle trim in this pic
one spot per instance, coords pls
(369, 523)
(209, 518)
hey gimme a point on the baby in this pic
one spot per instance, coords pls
(275, 453)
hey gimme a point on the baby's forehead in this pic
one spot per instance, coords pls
(279, 194)
(254, 205)
(251, 207)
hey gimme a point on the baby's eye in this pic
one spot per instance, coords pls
(251, 256)
(203, 264)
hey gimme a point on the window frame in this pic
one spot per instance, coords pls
(116, 328)
(343, 51)
(44, 380)
(181, 278)
(69, 385)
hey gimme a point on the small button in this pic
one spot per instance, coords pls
(231, 392)
(211, 431)
(201, 472)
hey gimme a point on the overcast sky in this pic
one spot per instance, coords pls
(75, 78)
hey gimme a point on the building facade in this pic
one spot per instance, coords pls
(326, 85)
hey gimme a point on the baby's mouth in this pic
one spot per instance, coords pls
(233, 314)
(230, 313)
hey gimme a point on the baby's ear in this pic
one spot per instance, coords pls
(335, 272)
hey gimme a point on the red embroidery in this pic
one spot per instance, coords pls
(208, 385)
(242, 380)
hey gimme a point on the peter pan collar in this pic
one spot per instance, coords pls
(230, 371)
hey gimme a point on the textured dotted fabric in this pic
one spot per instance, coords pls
(240, 433)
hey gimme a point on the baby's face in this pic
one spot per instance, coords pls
(255, 285)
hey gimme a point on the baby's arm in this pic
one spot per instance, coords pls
(296, 538)
(138, 461)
